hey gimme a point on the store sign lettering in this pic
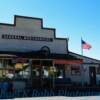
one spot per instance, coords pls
(21, 37)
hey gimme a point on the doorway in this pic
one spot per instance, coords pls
(40, 73)
(92, 75)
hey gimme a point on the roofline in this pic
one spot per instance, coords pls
(26, 17)
(84, 56)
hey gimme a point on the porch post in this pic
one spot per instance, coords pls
(30, 63)
(53, 77)
(82, 74)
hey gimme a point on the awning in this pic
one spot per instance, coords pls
(63, 61)
(7, 56)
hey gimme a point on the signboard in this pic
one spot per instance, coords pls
(22, 37)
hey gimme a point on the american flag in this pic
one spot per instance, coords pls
(85, 45)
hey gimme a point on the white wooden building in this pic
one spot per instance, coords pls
(30, 51)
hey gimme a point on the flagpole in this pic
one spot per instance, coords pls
(82, 64)
(81, 47)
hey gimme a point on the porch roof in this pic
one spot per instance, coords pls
(57, 58)
(36, 54)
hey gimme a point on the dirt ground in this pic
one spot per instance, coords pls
(60, 98)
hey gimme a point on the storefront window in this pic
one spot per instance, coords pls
(56, 71)
(47, 69)
(6, 68)
(11, 70)
(75, 70)
(52, 71)
(22, 70)
(35, 72)
(1, 63)
(60, 71)
(36, 69)
(98, 70)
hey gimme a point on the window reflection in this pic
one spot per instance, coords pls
(22, 70)
(38, 69)
(6, 68)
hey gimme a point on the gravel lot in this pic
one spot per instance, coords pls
(60, 98)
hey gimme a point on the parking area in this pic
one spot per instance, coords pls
(61, 98)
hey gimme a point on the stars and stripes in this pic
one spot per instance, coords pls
(85, 45)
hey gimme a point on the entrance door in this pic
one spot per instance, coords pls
(40, 73)
(92, 74)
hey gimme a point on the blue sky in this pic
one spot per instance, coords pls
(71, 18)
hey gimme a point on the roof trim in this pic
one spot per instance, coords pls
(84, 56)
(39, 54)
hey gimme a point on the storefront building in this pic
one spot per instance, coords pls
(32, 54)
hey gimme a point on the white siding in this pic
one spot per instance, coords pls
(30, 27)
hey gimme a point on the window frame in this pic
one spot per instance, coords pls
(73, 67)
